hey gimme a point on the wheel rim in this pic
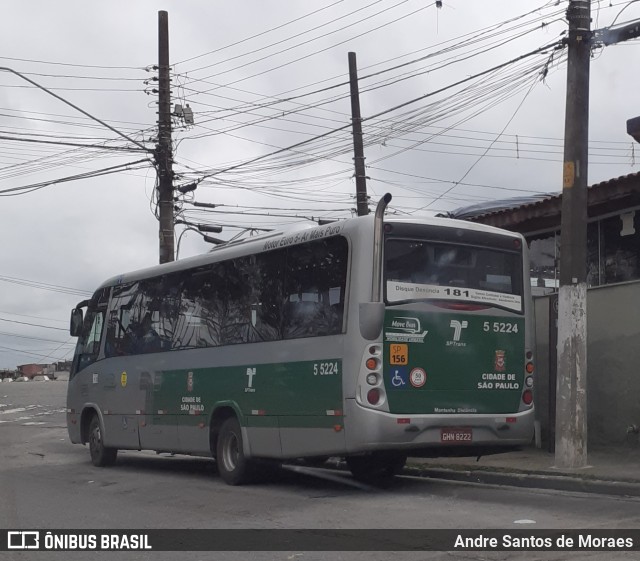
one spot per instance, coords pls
(230, 452)
(95, 441)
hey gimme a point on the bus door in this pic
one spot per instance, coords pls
(158, 421)
(138, 387)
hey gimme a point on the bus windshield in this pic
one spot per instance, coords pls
(426, 270)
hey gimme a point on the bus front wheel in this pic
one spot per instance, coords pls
(377, 466)
(233, 467)
(101, 455)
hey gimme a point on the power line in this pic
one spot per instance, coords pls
(70, 89)
(13, 191)
(74, 65)
(251, 123)
(119, 133)
(485, 152)
(32, 338)
(293, 147)
(439, 180)
(27, 115)
(36, 354)
(77, 77)
(61, 143)
(44, 286)
(263, 48)
(258, 34)
(32, 324)
(463, 42)
(315, 52)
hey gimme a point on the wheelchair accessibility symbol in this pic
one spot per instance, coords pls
(399, 377)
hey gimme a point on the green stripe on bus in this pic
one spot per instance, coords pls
(294, 389)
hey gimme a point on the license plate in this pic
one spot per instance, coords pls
(456, 435)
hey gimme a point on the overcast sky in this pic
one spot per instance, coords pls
(262, 75)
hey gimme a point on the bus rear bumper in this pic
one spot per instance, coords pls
(369, 430)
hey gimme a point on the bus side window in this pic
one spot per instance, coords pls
(267, 297)
(234, 290)
(120, 321)
(316, 279)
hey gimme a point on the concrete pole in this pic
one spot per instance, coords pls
(164, 156)
(571, 395)
(358, 144)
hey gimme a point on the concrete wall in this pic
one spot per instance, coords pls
(613, 362)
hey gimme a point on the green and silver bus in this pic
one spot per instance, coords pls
(370, 339)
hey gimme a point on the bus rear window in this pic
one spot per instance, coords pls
(425, 270)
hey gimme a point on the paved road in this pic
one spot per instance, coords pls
(46, 482)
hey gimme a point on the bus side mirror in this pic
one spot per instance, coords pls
(75, 326)
(371, 319)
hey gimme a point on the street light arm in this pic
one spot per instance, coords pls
(180, 239)
(6, 69)
(613, 35)
(201, 227)
(207, 239)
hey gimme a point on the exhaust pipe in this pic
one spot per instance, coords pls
(378, 226)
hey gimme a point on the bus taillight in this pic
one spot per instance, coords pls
(372, 363)
(527, 397)
(529, 367)
(373, 396)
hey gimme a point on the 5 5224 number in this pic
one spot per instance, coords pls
(325, 369)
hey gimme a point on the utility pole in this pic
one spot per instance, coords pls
(163, 154)
(571, 395)
(358, 145)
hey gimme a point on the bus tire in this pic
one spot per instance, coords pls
(234, 468)
(101, 455)
(377, 466)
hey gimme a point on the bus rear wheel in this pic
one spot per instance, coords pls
(377, 466)
(234, 468)
(101, 455)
